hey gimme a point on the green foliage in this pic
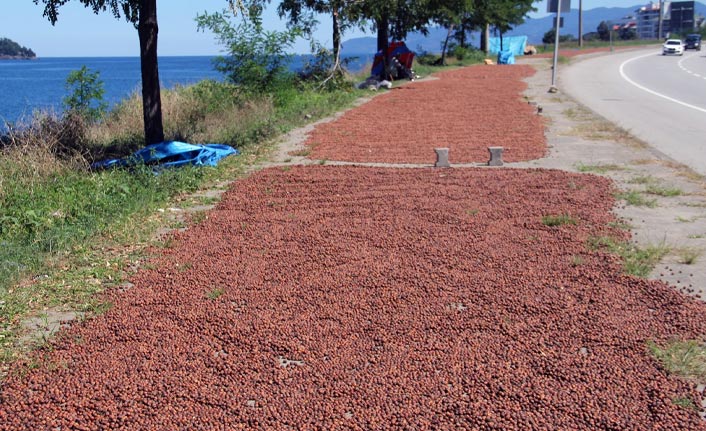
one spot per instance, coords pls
(627, 34)
(86, 94)
(13, 49)
(558, 220)
(683, 358)
(638, 261)
(550, 37)
(603, 31)
(320, 70)
(635, 198)
(256, 58)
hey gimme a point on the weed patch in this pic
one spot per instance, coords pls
(558, 220)
(688, 255)
(215, 293)
(638, 261)
(654, 189)
(635, 198)
(599, 168)
(686, 359)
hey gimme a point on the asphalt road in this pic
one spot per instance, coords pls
(659, 99)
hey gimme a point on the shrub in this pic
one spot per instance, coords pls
(86, 96)
(257, 59)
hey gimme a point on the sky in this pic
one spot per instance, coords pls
(80, 33)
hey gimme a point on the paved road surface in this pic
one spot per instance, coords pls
(659, 99)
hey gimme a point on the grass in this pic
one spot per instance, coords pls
(655, 189)
(576, 260)
(686, 359)
(686, 403)
(588, 44)
(558, 220)
(637, 261)
(599, 168)
(622, 225)
(688, 255)
(215, 293)
(635, 198)
(643, 179)
(68, 233)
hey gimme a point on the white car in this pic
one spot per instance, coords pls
(673, 46)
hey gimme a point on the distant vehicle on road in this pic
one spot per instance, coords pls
(673, 46)
(693, 41)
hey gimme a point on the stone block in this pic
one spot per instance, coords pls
(442, 158)
(496, 156)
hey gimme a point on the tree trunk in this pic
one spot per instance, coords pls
(484, 39)
(151, 99)
(446, 44)
(383, 25)
(336, 38)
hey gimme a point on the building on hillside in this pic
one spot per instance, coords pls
(677, 17)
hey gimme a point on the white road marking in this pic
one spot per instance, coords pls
(671, 99)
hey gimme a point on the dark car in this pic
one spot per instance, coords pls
(693, 41)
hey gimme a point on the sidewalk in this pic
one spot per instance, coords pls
(383, 298)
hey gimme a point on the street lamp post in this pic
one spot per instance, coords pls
(659, 27)
(580, 24)
(556, 45)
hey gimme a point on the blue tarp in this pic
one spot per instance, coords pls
(506, 57)
(514, 44)
(170, 155)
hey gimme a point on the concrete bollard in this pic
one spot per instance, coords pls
(496, 156)
(442, 158)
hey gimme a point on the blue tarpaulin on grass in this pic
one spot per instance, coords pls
(506, 57)
(171, 154)
(514, 44)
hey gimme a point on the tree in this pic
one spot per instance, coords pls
(87, 92)
(143, 15)
(603, 31)
(256, 58)
(500, 14)
(550, 37)
(450, 15)
(344, 14)
(627, 33)
(396, 18)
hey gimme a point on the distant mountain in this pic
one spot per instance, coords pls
(10, 49)
(534, 29)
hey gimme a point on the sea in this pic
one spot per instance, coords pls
(30, 85)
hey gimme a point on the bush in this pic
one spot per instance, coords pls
(460, 52)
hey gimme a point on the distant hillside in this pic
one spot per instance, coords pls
(12, 50)
(534, 29)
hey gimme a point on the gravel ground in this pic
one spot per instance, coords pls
(375, 299)
(466, 110)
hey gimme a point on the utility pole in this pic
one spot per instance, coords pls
(659, 31)
(580, 24)
(556, 46)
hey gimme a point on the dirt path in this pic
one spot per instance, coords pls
(361, 298)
